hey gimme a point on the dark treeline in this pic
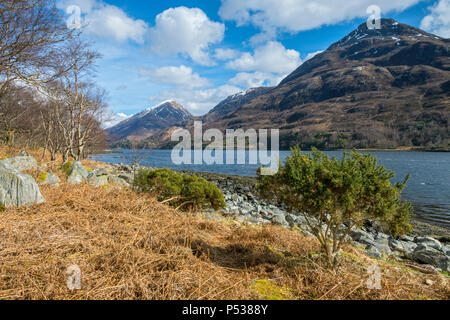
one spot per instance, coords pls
(47, 95)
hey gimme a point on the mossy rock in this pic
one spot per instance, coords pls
(43, 177)
(66, 167)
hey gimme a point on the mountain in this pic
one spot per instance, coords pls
(149, 122)
(373, 88)
(233, 103)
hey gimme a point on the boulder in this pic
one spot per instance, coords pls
(17, 189)
(48, 178)
(20, 163)
(76, 174)
(100, 172)
(429, 242)
(373, 252)
(446, 250)
(358, 235)
(281, 220)
(402, 246)
(431, 256)
(97, 181)
(118, 181)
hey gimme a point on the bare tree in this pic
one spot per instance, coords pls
(82, 102)
(30, 31)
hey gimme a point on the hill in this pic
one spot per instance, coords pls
(149, 122)
(373, 89)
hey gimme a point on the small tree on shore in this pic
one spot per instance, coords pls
(335, 196)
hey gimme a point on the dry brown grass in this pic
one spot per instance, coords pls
(128, 246)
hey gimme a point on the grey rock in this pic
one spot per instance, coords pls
(429, 242)
(117, 180)
(77, 174)
(431, 256)
(407, 238)
(98, 181)
(360, 234)
(20, 163)
(291, 220)
(381, 236)
(383, 247)
(281, 220)
(48, 178)
(17, 189)
(446, 250)
(402, 246)
(100, 172)
(373, 252)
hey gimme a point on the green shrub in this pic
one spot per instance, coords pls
(2, 207)
(334, 193)
(179, 190)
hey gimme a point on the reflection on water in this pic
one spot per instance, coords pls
(428, 189)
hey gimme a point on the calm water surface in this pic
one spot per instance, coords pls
(428, 190)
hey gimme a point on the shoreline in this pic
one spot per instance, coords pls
(246, 184)
(400, 149)
(421, 227)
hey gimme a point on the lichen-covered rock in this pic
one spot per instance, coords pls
(76, 173)
(20, 163)
(17, 189)
(118, 181)
(97, 181)
(48, 178)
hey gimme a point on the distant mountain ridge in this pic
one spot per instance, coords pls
(372, 89)
(149, 122)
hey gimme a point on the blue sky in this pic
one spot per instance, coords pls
(199, 52)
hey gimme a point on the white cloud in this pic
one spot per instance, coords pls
(179, 76)
(200, 101)
(225, 54)
(113, 119)
(247, 80)
(299, 15)
(186, 31)
(104, 20)
(438, 21)
(267, 66)
(272, 57)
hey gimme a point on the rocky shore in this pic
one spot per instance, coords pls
(428, 246)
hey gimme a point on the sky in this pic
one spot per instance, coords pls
(199, 52)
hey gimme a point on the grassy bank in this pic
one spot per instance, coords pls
(129, 246)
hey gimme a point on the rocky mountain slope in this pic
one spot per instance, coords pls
(149, 122)
(233, 103)
(373, 88)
